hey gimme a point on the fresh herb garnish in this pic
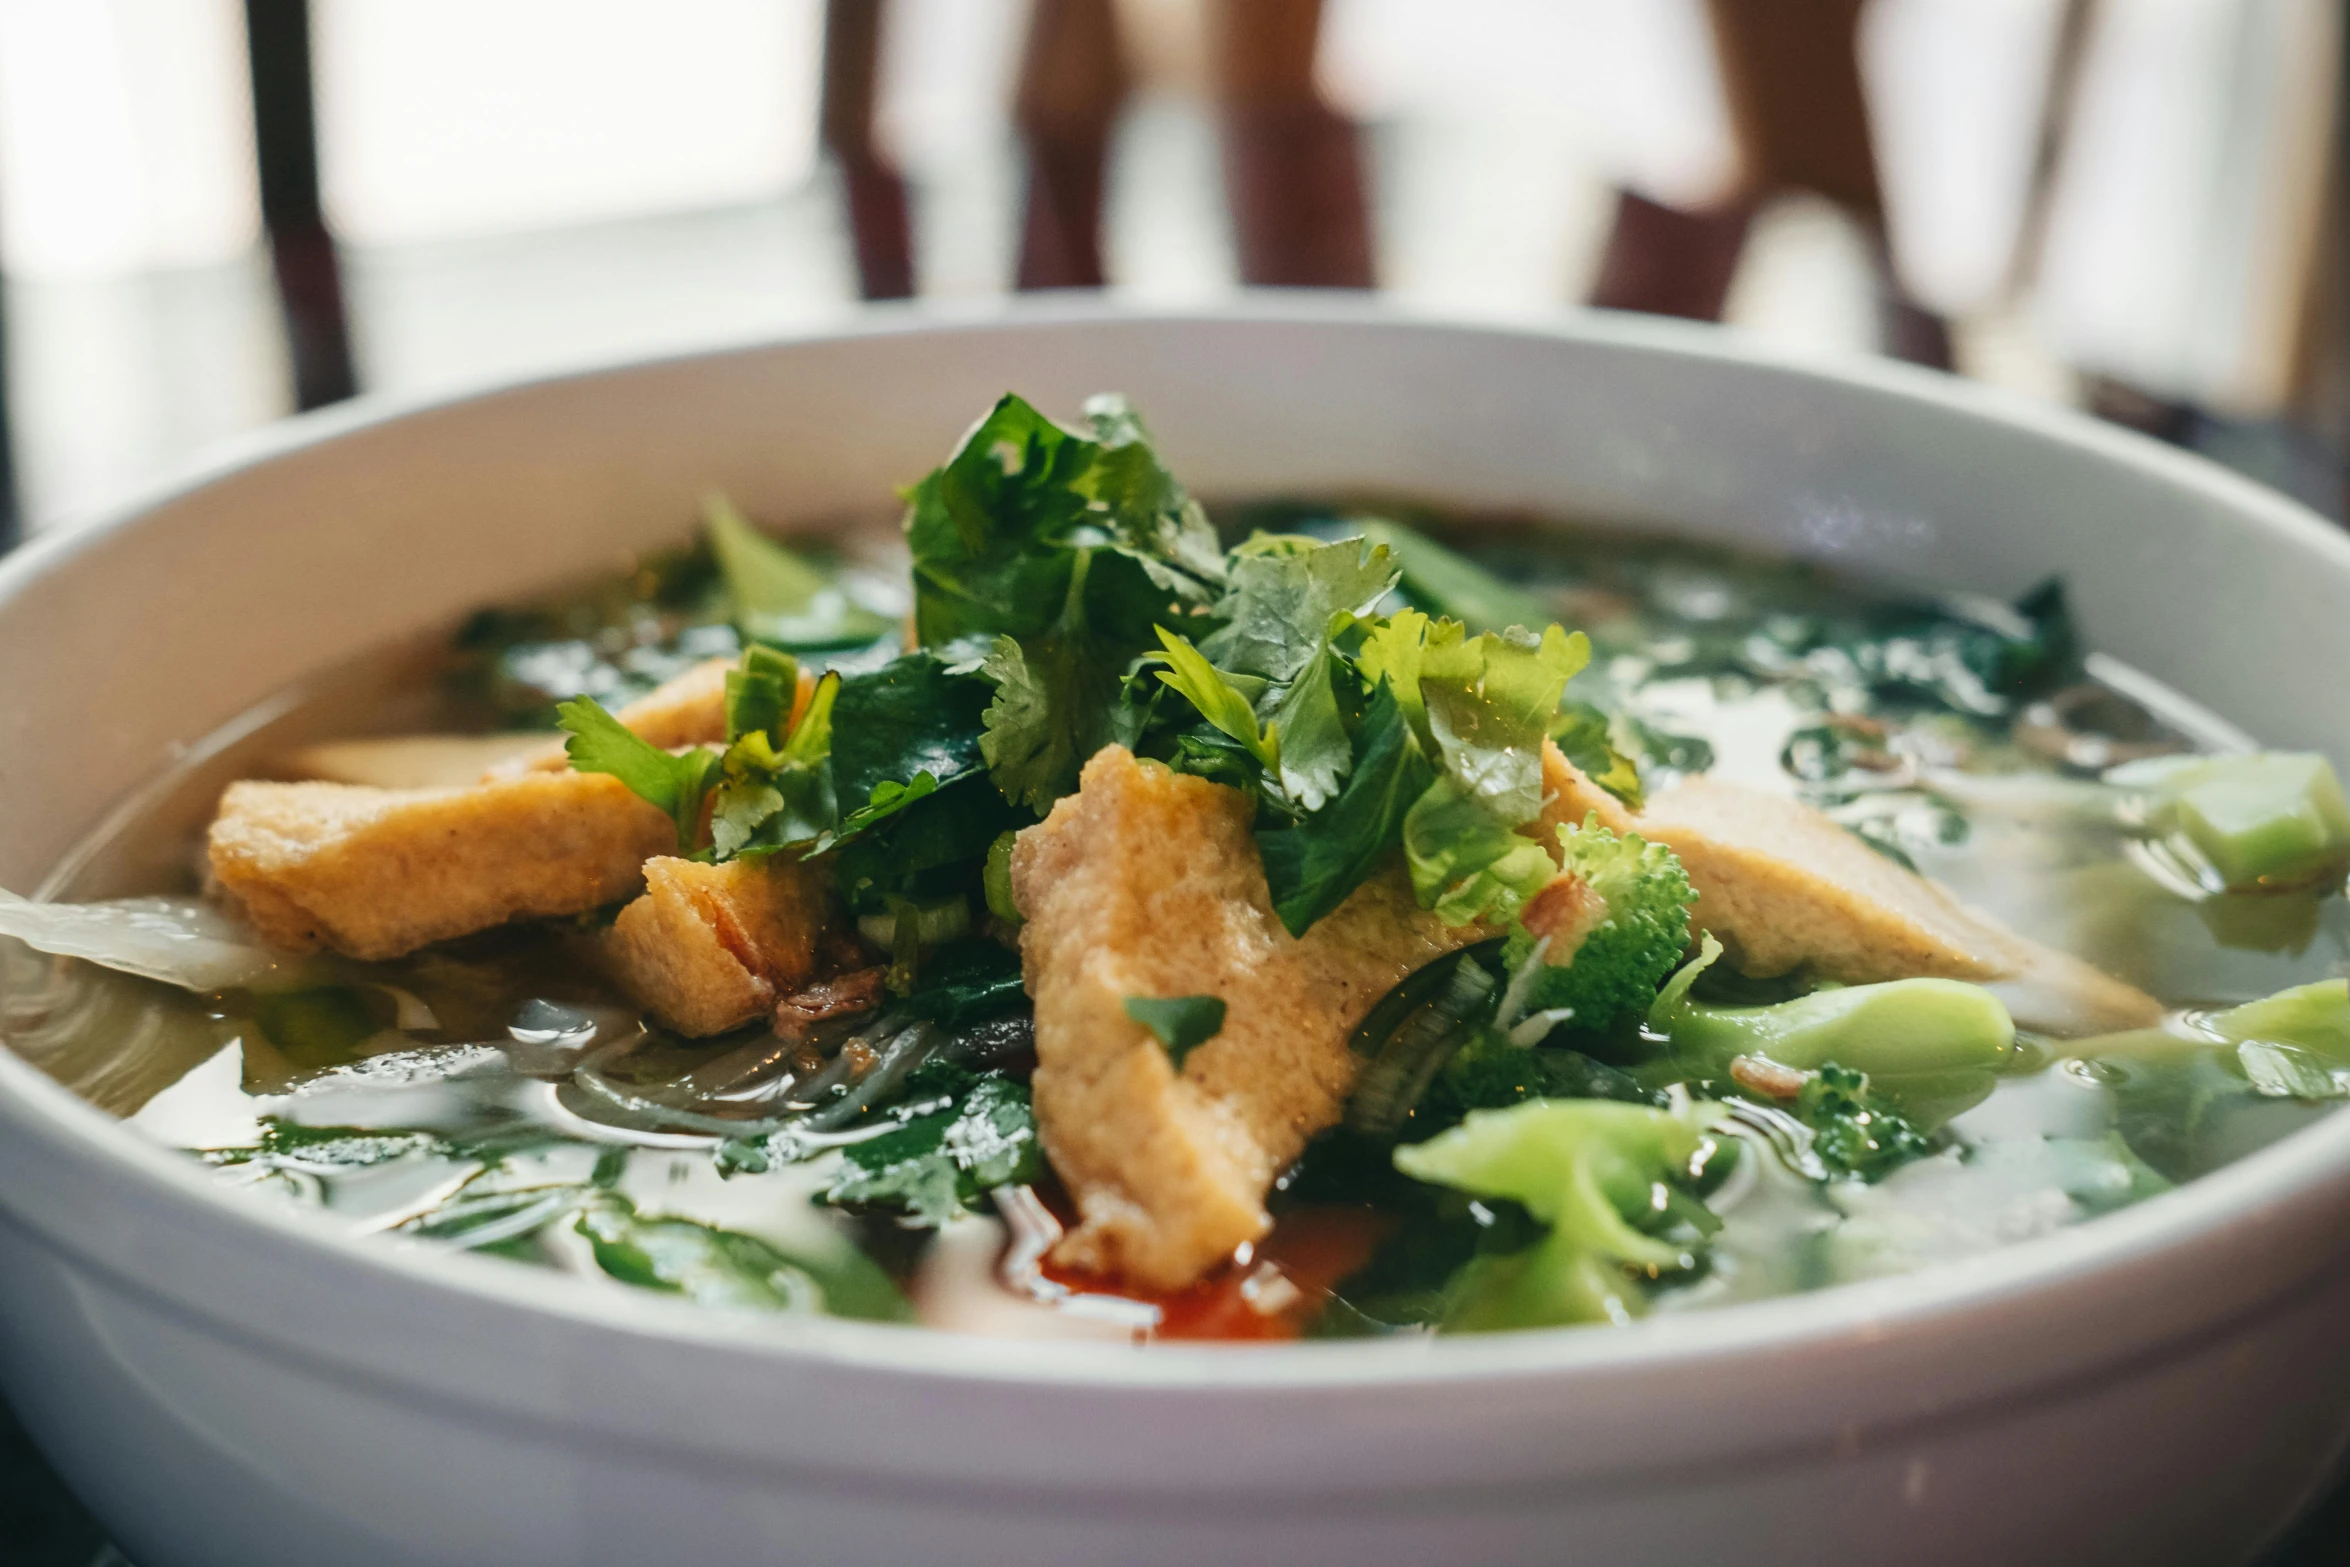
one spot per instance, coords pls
(1180, 1023)
(777, 597)
(600, 743)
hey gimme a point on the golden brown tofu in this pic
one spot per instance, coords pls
(409, 761)
(1147, 883)
(375, 873)
(1783, 887)
(710, 947)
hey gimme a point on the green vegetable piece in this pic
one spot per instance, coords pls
(1311, 867)
(2271, 819)
(1588, 1169)
(286, 1142)
(1490, 1073)
(1445, 582)
(2315, 1018)
(998, 529)
(1219, 701)
(1490, 701)
(778, 597)
(1855, 1135)
(759, 694)
(2290, 1044)
(1468, 862)
(1313, 753)
(996, 880)
(1927, 1044)
(913, 715)
(1586, 737)
(967, 982)
(1284, 595)
(1612, 976)
(937, 1164)
(2287, 1071)
(319, 1027)
(600, 743)
(768, 799)
(715, 1267)
(1181, 1023)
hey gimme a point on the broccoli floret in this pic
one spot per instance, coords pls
(1607, 931)
(1610, 1182)
(1853, 1131)
(1932, 1046)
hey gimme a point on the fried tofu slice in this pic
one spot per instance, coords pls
(711, 947)
(409, 761)
(1148, 883)
(376, 873)
(1783, 887)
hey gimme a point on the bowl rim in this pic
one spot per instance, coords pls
(2200, 1212)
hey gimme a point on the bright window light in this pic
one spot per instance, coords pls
(445, 118)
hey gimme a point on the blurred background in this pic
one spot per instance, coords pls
(214, 212)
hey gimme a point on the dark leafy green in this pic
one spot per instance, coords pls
(716, 1267)
(936, 1164)
(779, 598)
(1181, 1024)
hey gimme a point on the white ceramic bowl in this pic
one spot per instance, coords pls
(232, 1386)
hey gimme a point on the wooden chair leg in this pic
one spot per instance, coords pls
(1293, 166)
(1073, 81)
(880, 229)
(301, 250)
(1665, 261)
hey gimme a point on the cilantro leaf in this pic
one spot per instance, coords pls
(888, 798)
(600, 743)
(1052, 710)
(1219, 701)
(1151, 519)
(1490, 702)
(778, 597)
(1181, 1023)
(1314, 754)
(997, 530)
(1586, 737)
(1312, 866)
(1283, 595)
(1467, 861)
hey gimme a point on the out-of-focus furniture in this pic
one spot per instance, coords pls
(1791, 83)
(301, 250)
